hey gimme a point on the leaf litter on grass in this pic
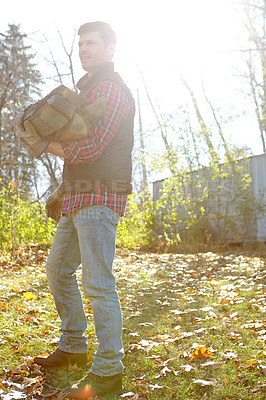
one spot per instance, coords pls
(180, 299)
(205, 309)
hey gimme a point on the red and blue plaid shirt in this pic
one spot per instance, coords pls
(89, 149)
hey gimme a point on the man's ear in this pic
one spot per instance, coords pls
(110, 49)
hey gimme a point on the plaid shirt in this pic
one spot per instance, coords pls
(89, 149)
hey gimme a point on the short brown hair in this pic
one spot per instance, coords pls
(107, 34)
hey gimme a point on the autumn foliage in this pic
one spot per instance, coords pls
(194, 326)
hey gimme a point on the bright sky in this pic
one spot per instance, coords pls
(162, 38)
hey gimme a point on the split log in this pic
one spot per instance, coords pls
(63, 114)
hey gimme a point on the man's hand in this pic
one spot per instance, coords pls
(56, 149)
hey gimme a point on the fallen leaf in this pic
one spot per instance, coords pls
(13, 394)
(229, 356)
(73, 368)
(186, 367)
(29, 296)
(153, 387)
(202, 382)
(15, 288)
(201, 352)
(184, 353)
(164, 371)
(145, 324)
(128, 394)
(211, 364)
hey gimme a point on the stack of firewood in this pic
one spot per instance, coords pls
(62, 115)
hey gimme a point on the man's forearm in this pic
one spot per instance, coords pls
(56, 149)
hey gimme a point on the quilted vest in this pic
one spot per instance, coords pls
(114, 166)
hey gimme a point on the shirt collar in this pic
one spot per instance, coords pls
(106, 67)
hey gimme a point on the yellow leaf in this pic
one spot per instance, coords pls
(2, 305)
(73, 368)
(29, 296)
(201, 352)
(252, 362)
(15, 288)
(23, 333)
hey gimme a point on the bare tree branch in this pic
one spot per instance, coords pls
(163, 134)
(243, 3)
(142, 148)
(69, 55)
(54, 63)
(217, 122)
(204, 129)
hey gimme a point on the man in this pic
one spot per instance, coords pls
(96, 179)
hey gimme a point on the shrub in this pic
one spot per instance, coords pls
(136, 227)
(22, 222)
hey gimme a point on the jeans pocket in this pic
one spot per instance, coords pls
(115, 217)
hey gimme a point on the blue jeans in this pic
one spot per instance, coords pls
(87, 236)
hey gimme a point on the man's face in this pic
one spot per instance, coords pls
(93, 51)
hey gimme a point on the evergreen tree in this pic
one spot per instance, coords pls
(19, 86)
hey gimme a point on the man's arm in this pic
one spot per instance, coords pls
(100, 132)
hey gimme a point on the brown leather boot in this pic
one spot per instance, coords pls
(59, 359)
(92, 385)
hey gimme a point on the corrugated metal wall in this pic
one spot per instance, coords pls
(258, 173)
(254, 226)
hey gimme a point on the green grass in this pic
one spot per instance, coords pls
(172, 304)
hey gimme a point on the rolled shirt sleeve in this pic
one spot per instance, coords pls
(36, 148)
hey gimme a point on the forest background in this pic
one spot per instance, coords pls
(197, 73)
